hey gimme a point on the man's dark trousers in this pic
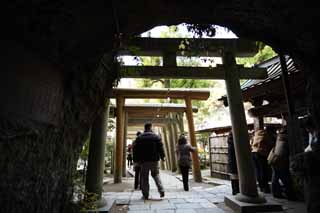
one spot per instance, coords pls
(152, 166)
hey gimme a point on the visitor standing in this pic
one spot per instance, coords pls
(306, 165)
(129, 155)
(136, 164)
(149, 150)
(260, 148)
(184, 160)
(279, 161)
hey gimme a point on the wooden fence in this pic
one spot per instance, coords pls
(218, 149)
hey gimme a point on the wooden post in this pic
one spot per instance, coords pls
(294, 130)
(175, 126)
(248, 187)
(172, 149)
(124, 161)
(176, 136)
(96, 156)
(195, 157)
(162, 163)
(113, 155)
(180, 123)
(167, 147)
(119, 140)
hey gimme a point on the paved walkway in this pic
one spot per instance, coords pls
(201, 198)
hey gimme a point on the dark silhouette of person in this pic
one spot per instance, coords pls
(129, 156)
(280, 167)
(148, 151)
(260, 147)
(232, 165)
(184, 160)
(306, 165)
(136, 164)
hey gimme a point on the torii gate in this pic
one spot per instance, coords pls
(159, 115)
(187, 95)
(228, 71)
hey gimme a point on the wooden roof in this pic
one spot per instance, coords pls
(271, 89)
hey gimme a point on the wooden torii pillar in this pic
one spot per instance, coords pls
(167, 149)
(248, 184)
(195, 156)
(119, 140)
(172, 147)
(180, 122)
(124, 153)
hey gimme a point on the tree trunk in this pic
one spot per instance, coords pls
(44, 118)
(36, 168)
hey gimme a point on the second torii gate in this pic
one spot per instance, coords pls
(159, 115)
(187, 95)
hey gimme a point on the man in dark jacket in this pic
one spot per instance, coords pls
(148, 151)
(137, 166)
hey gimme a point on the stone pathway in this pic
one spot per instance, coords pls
(201, 198)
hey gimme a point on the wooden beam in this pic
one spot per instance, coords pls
(156, 109)
(189, 72)
(197, 47)
(194, 94)
(148, 116)
(140, 121)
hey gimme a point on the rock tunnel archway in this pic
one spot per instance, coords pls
(66, 41)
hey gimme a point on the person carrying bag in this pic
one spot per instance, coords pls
(278, 158)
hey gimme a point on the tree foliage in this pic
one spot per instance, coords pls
(265, 53)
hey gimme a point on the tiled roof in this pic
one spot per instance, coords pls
(274, 72)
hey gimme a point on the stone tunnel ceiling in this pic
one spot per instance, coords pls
(76, 34)
(70, 31)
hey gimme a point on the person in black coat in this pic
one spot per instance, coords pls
(136, 164)
(232, 165)
(148, 151)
